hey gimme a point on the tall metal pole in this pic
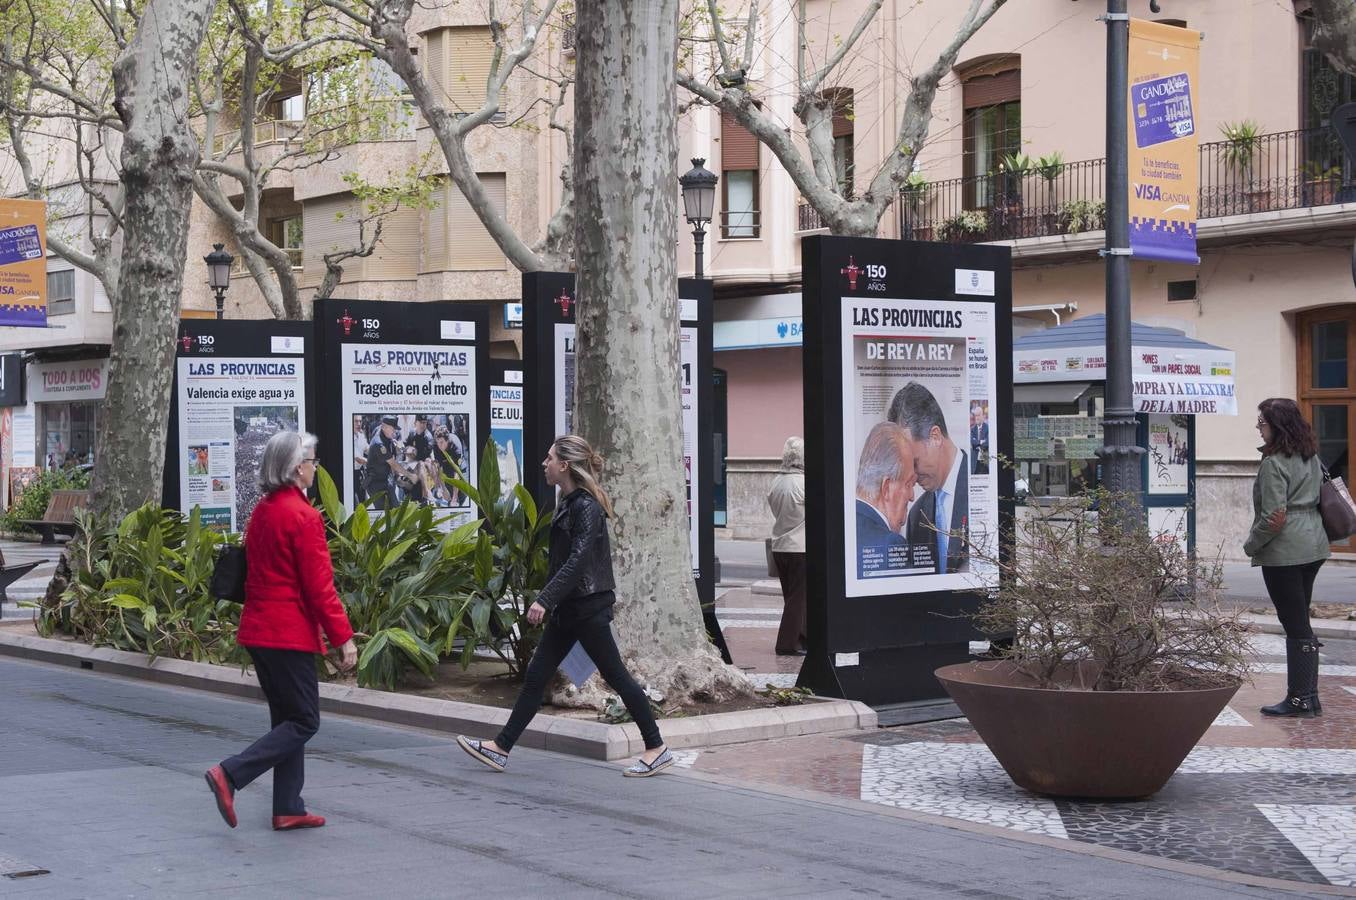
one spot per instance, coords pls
(699, 242)
(1119, 454)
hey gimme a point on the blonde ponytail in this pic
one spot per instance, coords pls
(586, 467)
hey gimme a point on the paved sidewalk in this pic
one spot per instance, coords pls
(102, 787)
(1260, 796)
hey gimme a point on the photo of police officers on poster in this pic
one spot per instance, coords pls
(409, 414)
(920, 490)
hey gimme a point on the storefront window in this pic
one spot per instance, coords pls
(1056, 445)
(71, 430)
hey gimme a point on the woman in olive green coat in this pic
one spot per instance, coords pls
(1288, 541)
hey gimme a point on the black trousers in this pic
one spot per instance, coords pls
(1292, 589)
(791, 573)
(289, 683)
(594, 632)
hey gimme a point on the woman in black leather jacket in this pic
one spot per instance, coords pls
(577, 605)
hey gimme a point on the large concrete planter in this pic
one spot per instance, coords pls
(1081, 743)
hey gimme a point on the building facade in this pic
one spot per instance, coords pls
(1276, 217)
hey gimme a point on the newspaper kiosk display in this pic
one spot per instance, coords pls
(549, 307)
(908, 391)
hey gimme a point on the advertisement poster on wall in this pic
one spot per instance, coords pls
(1169, 452)
(688, 338)
(235, 390)
(409, 416)
(918, 375)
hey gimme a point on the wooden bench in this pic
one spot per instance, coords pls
(60, 515)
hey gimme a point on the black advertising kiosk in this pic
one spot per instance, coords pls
(396, 382)
(549, 307)
(236, 383)
(908, 392)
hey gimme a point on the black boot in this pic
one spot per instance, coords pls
(1301, 669)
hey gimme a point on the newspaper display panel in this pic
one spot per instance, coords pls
(688, 340)
(920, 500)
(409, 417)
(228, 408)
(506, 427)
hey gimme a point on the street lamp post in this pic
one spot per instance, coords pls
(1120, 455)
(699, 201)
(219, 274)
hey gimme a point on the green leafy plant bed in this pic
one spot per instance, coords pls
(418, 594)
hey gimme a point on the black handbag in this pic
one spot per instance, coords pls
(228, 575)
(1336, 508)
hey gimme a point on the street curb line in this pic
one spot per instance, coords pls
(1323, 628)
(575, 737)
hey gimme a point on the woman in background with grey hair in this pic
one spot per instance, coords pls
(787, 499)
(289, 601)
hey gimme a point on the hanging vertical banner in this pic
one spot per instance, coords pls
(1164, 166)
(23, 263)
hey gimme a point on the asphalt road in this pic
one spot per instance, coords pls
(100, 784)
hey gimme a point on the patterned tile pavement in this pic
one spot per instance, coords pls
(1259, 796)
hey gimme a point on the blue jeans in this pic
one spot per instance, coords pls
(594, 632)
(289, 683)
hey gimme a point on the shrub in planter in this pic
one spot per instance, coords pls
(511, 566)
(1114, 670)
(143, 585)
(405, 583)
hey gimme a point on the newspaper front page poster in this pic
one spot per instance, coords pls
(920, 487)
(228, 409)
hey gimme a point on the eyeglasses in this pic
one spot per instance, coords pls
(312, 460)
(1261, 423)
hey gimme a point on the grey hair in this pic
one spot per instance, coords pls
(282, 455)
(793, 455)
(916, 411)
(880, 459)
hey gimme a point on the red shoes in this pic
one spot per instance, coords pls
(306, 820)
(221, 789)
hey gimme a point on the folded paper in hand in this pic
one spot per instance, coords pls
(577, 666)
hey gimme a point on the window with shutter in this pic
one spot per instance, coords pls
(396, 256)
(465, 244)
(739, 181)
(329, 224)
(469, 54)
(992, 127)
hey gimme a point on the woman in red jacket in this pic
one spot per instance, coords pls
(289, 601)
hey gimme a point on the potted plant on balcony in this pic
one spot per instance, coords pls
(916, 194)
(1321, 183)
(1010, 205)
(1242, 141)
(1114, 673)
(963, 226)
(1049, 168)
(1077, 216)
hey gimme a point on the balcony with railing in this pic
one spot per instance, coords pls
(266, 131)
(740, 223)
(294, 255)
(1264, 173)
